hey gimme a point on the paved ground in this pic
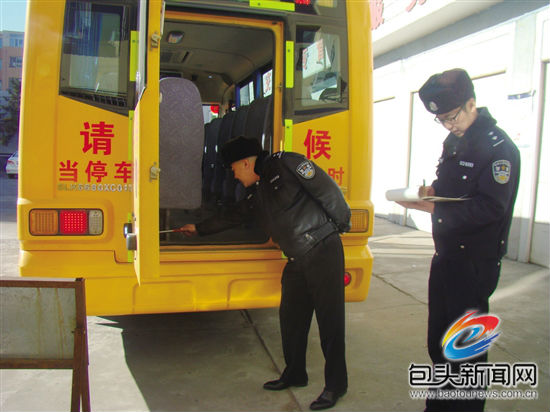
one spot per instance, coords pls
(218, 361)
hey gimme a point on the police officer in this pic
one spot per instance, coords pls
(481, 163)
(303, 210)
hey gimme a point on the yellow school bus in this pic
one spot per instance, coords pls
(124, 106)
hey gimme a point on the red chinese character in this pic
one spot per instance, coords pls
(336, 175)
(376, 13)
(101, 137)
(124, 171)
(413, 3)
(68, 172)
(317, 144)
(96, 170)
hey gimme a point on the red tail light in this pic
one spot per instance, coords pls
(347, 278)
(54, 222)
(73, 222)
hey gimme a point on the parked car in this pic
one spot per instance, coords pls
(12, 166)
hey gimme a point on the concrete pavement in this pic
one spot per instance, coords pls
(219, 360)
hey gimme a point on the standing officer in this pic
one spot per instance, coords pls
(481, 163)
(303, 210)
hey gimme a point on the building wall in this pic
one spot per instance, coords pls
(508, 61)
(11, 56)
(11, 66)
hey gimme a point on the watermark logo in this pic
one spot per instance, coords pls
(503, 381)
(470, 336)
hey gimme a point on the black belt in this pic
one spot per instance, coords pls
(315, 236)
(322, 232)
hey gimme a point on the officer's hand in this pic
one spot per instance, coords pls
(426, 191)
(344, 227)
(188, 230)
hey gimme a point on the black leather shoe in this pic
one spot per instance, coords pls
(279, 385)
(327, 399)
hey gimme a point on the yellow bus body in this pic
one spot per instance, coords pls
(169, 278)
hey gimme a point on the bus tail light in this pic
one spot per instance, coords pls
(359, 220)
(65, 222)
(73, 222)
(347, 278)
(43, 222)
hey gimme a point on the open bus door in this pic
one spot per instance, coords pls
(145, 134)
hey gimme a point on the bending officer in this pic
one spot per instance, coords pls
(303, 210)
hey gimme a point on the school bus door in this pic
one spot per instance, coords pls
(146, 142)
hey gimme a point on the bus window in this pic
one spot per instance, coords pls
(246, 94)
(320, 79)
(95, 53)
(267, 83)
(210, 112)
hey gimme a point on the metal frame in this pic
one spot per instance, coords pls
(80, 394)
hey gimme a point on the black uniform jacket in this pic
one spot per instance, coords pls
(483, 166)
(295, 202)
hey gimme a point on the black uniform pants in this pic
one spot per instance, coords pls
(456, 285)
(315, 282)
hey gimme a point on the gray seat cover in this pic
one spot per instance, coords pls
(181, 135)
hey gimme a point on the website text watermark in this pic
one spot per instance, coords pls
(501, 381)
(474, 394)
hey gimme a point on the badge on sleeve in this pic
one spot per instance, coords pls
(501, 171)
(306, 169)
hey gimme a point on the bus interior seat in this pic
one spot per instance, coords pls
(181, 139)
(232, 189)
(254, 120)
(211, 133)
(259, 122)
(219, 170)
(239, 126)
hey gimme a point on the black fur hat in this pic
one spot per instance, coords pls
(238, 148)
(446, 91)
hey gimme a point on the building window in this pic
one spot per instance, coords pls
(16, 61)
(16, 41)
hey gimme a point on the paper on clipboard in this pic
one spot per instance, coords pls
(411, 194)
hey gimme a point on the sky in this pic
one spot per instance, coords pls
(12, 15)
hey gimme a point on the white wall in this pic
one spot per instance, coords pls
(504, 61)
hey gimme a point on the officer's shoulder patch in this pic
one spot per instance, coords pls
(501, 171)
(306, 169)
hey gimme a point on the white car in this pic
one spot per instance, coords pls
(12, 166)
